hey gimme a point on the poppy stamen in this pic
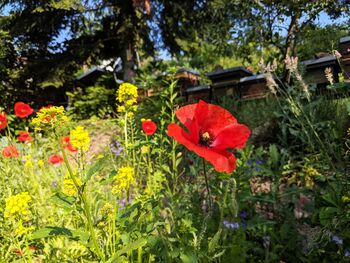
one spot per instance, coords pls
(205, 139)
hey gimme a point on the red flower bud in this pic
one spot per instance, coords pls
(149, 127)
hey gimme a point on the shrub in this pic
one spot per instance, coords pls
(94, 101)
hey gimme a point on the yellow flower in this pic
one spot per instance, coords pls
(309, 182)
(50, 117)
(41, 163)
(69, 187)
(348, 131)
(121, 109)
(310, 171)
(127, 97)
(127, 92)
(144, 149)
(79, 138)
(20, 229)
(123, 180)
(345, 199)
(143, 119)
(28, 161)
(17, 205)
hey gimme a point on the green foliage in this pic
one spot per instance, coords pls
(253, 113)
(95, 101)
(314, 40)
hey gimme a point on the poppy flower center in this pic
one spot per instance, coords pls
(205, 139)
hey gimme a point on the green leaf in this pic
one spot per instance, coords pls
(188, 257)
(51, 231)
(75, 234)
(327, 214)
(274, 155)
(62, 200)
(214, 241)
(129, 247)
(94, 169)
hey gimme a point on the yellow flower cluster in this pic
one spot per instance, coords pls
(348, 131)
(52, 116)
(17, 205)
(21, 230)
(79, 138)
(69, 187)
(123, 180)
(28, 161)
(127, 97)
(310, 174)
(345, 199)
(41, 163)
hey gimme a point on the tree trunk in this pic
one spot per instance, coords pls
(129, 63)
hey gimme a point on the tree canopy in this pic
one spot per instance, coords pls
(46, 42)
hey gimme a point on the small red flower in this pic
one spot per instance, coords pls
(149, 127)
(3, 120)
(24, 137)
(55, 159)
(211, 130)
(22, 109)
(67, 144)
(10, 152)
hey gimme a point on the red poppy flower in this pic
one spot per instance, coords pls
(211, 130)
(24, 137)
(67, 144)
(10, 152)
(22, 109)
(149, 127)
(55, 159)
(3, 121)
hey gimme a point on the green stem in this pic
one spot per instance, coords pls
(149, 165)
(234, 201)
(28, 250)
(126, 135)
(207, 186)
(139, 255)
(86, 204)
(133, 148)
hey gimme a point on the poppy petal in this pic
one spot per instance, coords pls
(186, 113)
(216, 119)
(222, 160)
(232, 136)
